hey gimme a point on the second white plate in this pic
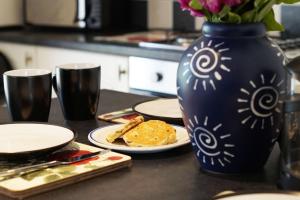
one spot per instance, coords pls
(167, 110)
(32, 138)
(98, 137)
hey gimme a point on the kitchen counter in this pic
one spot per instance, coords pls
(174, 174)
(85, 42)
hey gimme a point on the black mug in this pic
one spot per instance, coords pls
(78, 88)
(28, 94)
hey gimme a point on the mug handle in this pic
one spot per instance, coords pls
(54, 83)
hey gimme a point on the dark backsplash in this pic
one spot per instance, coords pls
(182, 21)
(127, 14)
(138, 14)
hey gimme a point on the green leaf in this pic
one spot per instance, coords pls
(249, 16)
(225, 10)
(195, 5)
(270, 22)
(258, 3)
(287, 1)
(216, 19)
(233, 18)
(207, 14)
(267, 7)
(244, 7)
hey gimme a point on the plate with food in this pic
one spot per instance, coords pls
(139, 136)
(167, 110)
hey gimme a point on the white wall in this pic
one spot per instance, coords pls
(11, 12)
(160, 14)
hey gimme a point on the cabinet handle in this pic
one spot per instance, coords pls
(159, 76)
(28, 60)
(122, 72)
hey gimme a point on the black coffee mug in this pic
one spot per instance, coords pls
(78, 88)
(28, 94)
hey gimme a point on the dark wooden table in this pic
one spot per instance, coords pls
(173, 174)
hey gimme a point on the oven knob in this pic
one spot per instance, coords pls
(158, 77)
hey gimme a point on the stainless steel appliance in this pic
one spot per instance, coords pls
(289, 140)
(92, 14)
(287, 15)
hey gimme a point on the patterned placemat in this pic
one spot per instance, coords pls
(51, 178)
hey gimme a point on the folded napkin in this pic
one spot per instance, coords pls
(120, 116)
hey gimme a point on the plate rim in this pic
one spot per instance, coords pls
(257, 195)
(135, 150)
(38, 150)
(164, 118)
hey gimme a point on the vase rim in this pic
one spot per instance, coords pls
(223, 30)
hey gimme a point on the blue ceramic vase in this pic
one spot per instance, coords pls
(229, 82)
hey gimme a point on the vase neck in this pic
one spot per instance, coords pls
(233, 30)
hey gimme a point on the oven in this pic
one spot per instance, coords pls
(152, 77)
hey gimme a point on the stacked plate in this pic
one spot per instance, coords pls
(167, 110)
(32, 139)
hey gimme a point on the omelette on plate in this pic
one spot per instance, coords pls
(138, 133)
(120, 132)
(150, 133)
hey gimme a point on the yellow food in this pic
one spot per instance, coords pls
(150, 133)
(120, 132)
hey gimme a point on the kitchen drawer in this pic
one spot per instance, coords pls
(152, 75)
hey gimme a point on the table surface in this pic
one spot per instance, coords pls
(174, 174)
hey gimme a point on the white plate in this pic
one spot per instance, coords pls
(98, 137)
(164, 109)
(30, 138)
(262, 196)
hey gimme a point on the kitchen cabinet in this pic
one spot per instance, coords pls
(19, 55)
(114, 69)
(156, 76)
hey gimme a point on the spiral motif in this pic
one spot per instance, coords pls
(263, 101)
(204, 61)
(206, 141)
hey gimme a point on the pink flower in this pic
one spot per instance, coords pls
(185, 6)
(213, 6)
(196, 13)
(232, 2)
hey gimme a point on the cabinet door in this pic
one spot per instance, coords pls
(19, 55)
(114, 69)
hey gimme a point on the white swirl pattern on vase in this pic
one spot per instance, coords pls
(210, 142)
(258, 101)
(206, 65)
